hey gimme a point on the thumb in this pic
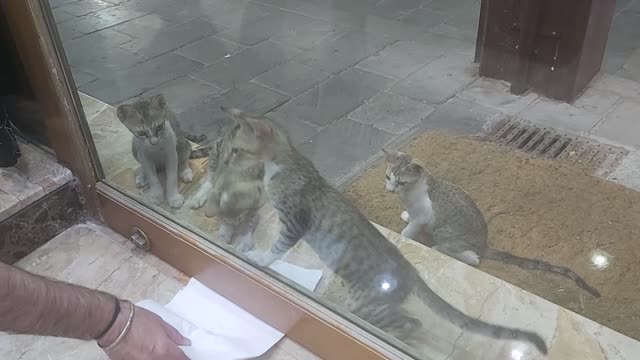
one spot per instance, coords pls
(175, 335)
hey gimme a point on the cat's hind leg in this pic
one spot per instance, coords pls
(405, 216)
(459, 251)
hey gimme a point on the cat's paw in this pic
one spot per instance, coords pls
(141, 181)
(245, 246)
(187, 175)
(469, 257)
(176, 201)
(156, 196)
(225, 200)
(261, 258)
(405, 216)
(197, 201)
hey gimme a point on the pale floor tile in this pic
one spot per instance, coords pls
(95, 256)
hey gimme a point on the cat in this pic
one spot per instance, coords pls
(232, 194)
(379, 278)
(443, 216)
(158, 145)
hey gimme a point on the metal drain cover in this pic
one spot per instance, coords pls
(548, 143)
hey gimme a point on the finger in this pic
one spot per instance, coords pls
(175, 335)
(176, 354)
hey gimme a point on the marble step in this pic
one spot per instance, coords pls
(36, 174)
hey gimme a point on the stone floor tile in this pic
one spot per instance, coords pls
(291, 78)
(342, 146)
(140, 78)
(439, 80)
(462, 117)
(392, 113)
(347, 50)
(184, 92)
(496, 94)
(327, 102)
(171, 38)
(210, 49)
(246, 64)
(621, 124)
(560, 116)
(401, 59)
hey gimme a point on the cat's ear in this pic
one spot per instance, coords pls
(391, 156)
(261, 129)
(413, 169)
(257, 127)
(237, 116)
(158, 100)
(125, 111)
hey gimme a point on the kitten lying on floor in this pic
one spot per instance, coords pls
(233, 193)
(158, 145)
(443, 216)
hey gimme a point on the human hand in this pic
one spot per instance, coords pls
(150, 338)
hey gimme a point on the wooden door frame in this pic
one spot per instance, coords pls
(304, 320)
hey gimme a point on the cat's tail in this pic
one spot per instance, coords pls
(465, 322)
(195, 138)
(200, 153)
(533, 264)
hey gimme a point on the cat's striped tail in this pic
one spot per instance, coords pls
(465, 322)
(200, 153)
(533, 264)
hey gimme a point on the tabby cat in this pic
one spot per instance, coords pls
(158, 145)
(233, 193)
(378, 277)
(443, 216)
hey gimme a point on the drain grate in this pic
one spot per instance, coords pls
(552, 144)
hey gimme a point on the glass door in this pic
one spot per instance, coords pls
(230, 136)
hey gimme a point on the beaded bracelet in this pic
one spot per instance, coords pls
(125, 330)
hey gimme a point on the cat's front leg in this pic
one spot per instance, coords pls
(405, 216)
(156, 193)
(174, 198)
(286, 240)
(416, 231)
(200, 198)
(262, 258)
(141, 180)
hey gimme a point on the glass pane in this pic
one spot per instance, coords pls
(511, 138)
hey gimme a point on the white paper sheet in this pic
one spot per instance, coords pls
(218, 328)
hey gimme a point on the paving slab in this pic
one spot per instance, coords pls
(126, 83)
(210, 49)
(462, 117)
(292, 78)
(246, 64)
(344, 52)
(326, 103)
(439, 80)
(392, 113)
(401, 59)
(342, 146)
(171, 38)
(621, 125)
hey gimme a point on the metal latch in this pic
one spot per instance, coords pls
(140, 239)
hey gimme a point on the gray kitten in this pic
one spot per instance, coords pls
(378, 276)
(158, 145)
(443, 216)
(233, 193)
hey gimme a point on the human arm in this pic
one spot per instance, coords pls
(30, 304)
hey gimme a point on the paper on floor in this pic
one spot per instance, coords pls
(218, 328)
